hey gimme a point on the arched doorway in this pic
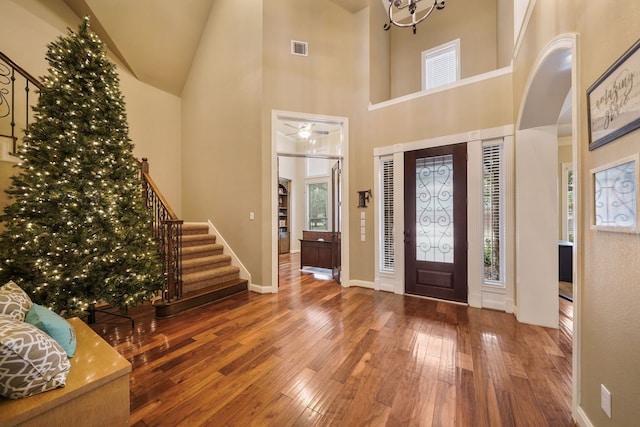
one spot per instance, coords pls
(537, 166)
(553, 79)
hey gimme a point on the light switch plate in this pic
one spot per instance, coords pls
(605, 400)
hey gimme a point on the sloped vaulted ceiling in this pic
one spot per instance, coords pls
(155, 39)
(352, 5)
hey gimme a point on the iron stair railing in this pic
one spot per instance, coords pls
(167, 229)
(11, 74)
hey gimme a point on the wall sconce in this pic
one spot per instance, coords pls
(363, 198)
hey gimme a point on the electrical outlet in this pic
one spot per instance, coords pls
(605, 400)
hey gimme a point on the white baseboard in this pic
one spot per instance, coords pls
(235, 260)
(260, 289)
(582, 419)
(361, 284)
(475, 299)
(494, 301)
(509, 305)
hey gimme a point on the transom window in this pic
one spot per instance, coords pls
(441, 65)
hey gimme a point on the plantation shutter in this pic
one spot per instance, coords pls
(387, 257)
(492, 159)
(441, 68)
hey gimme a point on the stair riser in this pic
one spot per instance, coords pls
(190, 231)
(205, 240)
(210, 274)
(206, 253)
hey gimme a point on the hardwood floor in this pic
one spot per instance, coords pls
(318, 354)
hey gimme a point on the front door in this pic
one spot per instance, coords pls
(436, 222)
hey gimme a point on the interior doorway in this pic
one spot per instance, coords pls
(309, 156)
(547, 99)
(553, 81)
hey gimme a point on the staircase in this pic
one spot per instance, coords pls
(207, 273)
(195, 268)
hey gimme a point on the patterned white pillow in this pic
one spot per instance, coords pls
(14, 302)
(31, 362)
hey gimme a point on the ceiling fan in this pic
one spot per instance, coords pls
(305, 130)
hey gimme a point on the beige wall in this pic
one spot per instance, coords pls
(609, 319)
(472, 21)
(504, 32)
(379, 61)
(321, 83)
(221, 147)
(153, 115)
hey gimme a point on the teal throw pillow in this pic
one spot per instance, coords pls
(54, 325)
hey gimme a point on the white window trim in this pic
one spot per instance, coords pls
(317, 180)
(452, 45)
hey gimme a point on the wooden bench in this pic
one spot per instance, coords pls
(96, 393)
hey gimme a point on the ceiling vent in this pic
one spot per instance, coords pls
(299, 48)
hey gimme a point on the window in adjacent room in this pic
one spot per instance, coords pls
(567, 202)
(493, 212)
(317, 206)
(441, 65)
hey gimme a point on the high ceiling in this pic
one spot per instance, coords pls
(157, 39)
(352, 5)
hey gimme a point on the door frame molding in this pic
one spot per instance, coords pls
(478, 294)
(276, 115)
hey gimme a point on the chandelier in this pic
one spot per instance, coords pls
(396, 7)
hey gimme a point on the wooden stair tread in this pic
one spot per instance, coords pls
(200, 297)
(190, 228)
(212, 288)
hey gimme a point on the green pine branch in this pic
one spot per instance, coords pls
(78, 231)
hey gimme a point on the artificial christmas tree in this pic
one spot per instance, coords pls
(77, 231)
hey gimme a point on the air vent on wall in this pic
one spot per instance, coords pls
(299, 48)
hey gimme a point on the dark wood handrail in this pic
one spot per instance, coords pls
(20, 70)
(8, 70)
(152, 185)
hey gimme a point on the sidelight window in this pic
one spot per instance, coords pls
(493, 211)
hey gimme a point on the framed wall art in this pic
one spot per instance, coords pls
(614, 100)
(615, 196)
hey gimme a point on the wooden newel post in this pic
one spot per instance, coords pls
(145, 165)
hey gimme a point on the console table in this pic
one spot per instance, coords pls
(316, 249)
